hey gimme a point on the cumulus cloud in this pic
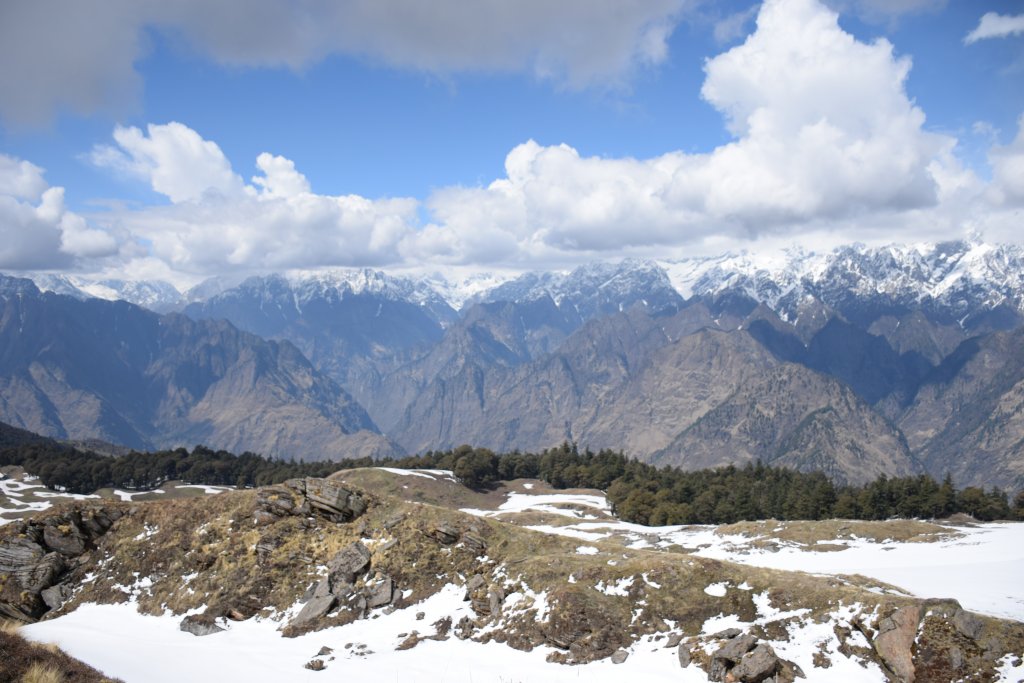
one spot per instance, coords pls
(826, 142)
(82, 54)
(173, 158)
(216, 221)
(825, 132)
(994, 25)
(36, 230)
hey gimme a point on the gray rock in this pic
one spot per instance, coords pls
(619, 656)
(673, 640)
(684, 655)
(474, 543)
(349, 563)
(727, 633)
(734, 650)
(495, 598)
(756, 665)
(55, 596)
(314, 609)
(968, 624)
(379, 592)
(394, 520)
(66, 539)
(475, 583)
(717, 670)
(43, 574)
(276, 500)
(333, 498)
(18, 553)
(444, 533)
(321, 589)
(199, 625)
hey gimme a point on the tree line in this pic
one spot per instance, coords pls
(638, 492)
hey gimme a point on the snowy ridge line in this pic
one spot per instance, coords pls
(989, 274)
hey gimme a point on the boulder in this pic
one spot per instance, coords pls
(673, 640)
(619, 656)
(18, 553)
(43, 574)
(302, 497)
(55, 596)
(96, 522)
(968, 624)
(727, 656)
(475, 583)
(278, 501)
(314, 609)
(379, 591)
(199, 625)
(756, 665)
(321, 589)
(734, 650)
(349, 563)
(67, 539)
(895, 640)
(727, 634)
(334, 499)
(684, 655)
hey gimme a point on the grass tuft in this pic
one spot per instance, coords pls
(38, 672)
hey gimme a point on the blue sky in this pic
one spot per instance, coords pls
(418, 130)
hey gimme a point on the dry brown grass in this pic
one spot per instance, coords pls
(40, 672)
(821, 533)
(22, 661)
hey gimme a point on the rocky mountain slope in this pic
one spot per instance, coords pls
(674, 389)
(352, 325)
(334, 565)
(111, 370)
(598, 355)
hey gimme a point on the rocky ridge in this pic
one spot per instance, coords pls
(525, 589)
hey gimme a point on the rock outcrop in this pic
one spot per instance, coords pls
(42, 552)
(303, 497)
(348, 586)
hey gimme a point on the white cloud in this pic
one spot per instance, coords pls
(994, 25)
(280, 179)
(217, 222)
(827, 144)
(81, 55)
(175, 159)
(36, 230)
(825, 135)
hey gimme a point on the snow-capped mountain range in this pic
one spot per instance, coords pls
(955, 278)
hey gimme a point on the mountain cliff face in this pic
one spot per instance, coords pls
(968, 416)
(110, 370)
(352, 325)
(673, 389)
